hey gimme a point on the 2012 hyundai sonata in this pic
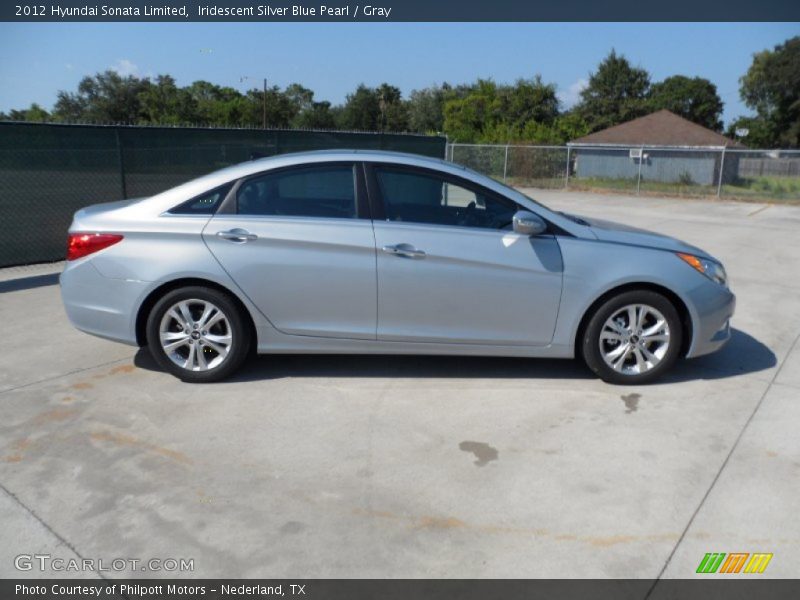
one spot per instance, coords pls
(377, 252)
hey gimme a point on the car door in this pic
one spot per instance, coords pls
(450, 269)
(299, 243)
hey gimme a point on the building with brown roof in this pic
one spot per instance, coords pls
(661, 146)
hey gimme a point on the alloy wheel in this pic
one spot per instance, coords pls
(196, 335)
(634, 339)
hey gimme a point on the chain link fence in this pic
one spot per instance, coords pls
(47, 172)
(759, 175)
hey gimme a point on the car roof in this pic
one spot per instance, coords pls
(313, 156)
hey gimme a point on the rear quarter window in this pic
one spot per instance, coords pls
(204, 204)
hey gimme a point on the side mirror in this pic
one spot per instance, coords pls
(527, 223)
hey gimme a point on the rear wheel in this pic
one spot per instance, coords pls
(633, 338)
(198, 334)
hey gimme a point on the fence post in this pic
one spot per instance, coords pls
(721, 167)
(121, 161)
(505, 165)
(639, 178)
(566, 179)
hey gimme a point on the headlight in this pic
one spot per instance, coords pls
(709, 268)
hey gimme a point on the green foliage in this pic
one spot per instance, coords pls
(771, 87)
(318, 115)
(374, 109)
(527, 111)
(107, 96)
(164, 102)
(695, 99)
(33, 113)
(426, 108)
(617, 92)
(760, 133)
(217, 105)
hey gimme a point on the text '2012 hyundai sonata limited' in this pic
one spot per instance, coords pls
(377, 252)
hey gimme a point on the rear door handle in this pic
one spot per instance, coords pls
(237, 235)
(405, 250)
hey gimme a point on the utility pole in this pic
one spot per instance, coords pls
(244, 78)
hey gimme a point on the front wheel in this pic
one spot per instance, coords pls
(198, 334)
(633, 338)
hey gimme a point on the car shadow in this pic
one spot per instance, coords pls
(277, 366)
(742, 354)
(28, 283)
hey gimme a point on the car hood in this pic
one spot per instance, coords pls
(609, 231)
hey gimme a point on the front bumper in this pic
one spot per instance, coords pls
(100, 305)
(712, 307)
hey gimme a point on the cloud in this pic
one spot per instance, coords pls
(69, 66)
(572, 94)
(125, 67)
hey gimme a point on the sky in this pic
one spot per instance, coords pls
(39, 59)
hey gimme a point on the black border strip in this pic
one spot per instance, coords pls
(402, 11)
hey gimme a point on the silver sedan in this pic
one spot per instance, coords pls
(377, 252)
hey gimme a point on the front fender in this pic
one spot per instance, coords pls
(595, 268)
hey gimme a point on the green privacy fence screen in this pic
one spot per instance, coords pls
(49, 171)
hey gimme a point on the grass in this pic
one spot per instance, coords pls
(747, 188)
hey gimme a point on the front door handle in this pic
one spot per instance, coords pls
(237, 235)
(405, 250)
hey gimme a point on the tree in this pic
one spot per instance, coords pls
(759, 133)
(300, 97)
(215, 105)
(163, 102)
(469, 117)
(529, 100)
(488, 113)
(771, 87)
(281, 109)
(33, 113)
(316, 116)
(106, 97)
(361, 110)
(695, 99)
(426, 108)
(393, 113)
(616, 93)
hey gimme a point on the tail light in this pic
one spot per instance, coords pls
(84, 244)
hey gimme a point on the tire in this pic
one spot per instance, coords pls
(626, 355)
(201, 352)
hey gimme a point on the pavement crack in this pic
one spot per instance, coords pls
(722, 468)
(44, 524)
(67, 374)
(758, 210)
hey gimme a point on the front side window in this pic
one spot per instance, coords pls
(324, 191)
(417, 197)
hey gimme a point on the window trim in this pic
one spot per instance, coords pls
(378, 203)
(229, 204)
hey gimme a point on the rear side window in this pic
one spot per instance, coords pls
(323, 191)
(205, 204)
